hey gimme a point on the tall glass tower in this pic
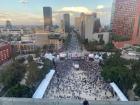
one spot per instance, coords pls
(47, 12)
(67, 22)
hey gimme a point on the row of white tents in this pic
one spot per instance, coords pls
(73, 55)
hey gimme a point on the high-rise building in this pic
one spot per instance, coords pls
(92, 25)
(77, 22)
(47, 12)
(67, 22)
(82, 26)
(89, 25)
(136, 32)
(8, 24)
(123, 17)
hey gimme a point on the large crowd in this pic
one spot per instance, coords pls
(85, 83)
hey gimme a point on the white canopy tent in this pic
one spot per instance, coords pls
(76, 66)
(118, 92)
(96, 56)
(131, 53)
(62, 55)
(39, 93)
(49, 56)
(100, 58)
(91, 55)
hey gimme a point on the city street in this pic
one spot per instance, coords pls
(73, 46)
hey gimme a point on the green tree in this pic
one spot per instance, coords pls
(47, 66)
(34, 74)
(30, 58)
(109, 46)
(12, 74)
(20, 91)
(37, 52)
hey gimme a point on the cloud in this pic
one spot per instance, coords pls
(23, 1)
(20, 18)
(104, 14)
(99, 6)
(76, 9)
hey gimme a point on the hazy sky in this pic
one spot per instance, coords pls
(30, 11)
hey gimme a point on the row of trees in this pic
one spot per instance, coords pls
(125, 73)
(98, 46)
(12, 76)
(120, 37)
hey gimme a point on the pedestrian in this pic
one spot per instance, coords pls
(85, 102)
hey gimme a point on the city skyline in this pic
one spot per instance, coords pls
(17, 10)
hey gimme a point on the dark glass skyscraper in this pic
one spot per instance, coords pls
(8, 24)
(67, 22)
(47, 12)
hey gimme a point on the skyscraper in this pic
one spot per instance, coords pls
(123, 17)
(67, 22)
(8, 24)
(136, 32)
(82, 26)
(77, 22)
(47, 12)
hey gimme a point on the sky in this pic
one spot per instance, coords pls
(30, 12)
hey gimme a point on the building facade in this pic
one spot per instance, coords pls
(31, 41)
(24, 47)
(47, 12)
(5, 52)
(126, 21)
(14, 32)
(77, 22)
(66, 23)
(136, 32)
(123, 17)
(89, 25)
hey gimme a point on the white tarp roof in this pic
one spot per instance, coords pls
(62, 55)
(39, 93)
(49, 56)
(100, 58)
(132, 53)
(96, 56)
(118, 92)
(76, 66)
(91, 55)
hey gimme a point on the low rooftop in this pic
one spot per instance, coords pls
(2, 43)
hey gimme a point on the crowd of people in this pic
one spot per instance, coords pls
(85, 83)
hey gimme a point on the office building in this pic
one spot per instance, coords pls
(8, 24)
(82, 26)
(123, 17)
(67, 23)
(89, 25)
(136, 31)
(125, 21)
(77, 22)
(47, 12)
(31, 41)
(14, 32)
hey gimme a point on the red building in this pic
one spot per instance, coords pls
(136, 32)
(123, 17)
(5, 52)
(126, 20)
